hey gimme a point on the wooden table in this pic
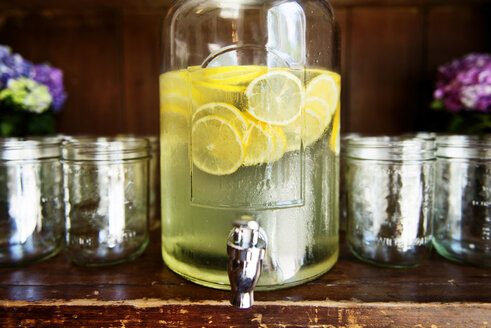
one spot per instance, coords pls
(145, 293)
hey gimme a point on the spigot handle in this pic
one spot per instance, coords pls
(246, 248)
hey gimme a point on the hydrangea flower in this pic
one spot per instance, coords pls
(464, 84)
(13, 66)
(53, 79)
(27, 94)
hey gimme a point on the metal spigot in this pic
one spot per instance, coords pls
(246, 247)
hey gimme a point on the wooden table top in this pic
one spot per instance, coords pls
(145, 293)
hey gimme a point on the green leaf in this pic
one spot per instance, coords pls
(437, 104)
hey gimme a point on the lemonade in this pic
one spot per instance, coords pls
(257, 141)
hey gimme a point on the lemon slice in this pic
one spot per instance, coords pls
(204, 92)
(275, 97)
(279, 142)
(314, 127)
(320, 107)
(223, 110)
(309, 127)
(216, 146)
(259, 144)
(174, 126)
(324, 86)
(334, 143)
(232, 75)
(173, 82)
(174, 100)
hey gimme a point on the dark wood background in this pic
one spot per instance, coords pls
(109, 52)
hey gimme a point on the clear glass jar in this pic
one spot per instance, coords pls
(154, 178)
(31, 200)
(250, 127)
(390, 185)
(154, 182)
(106, 199)
(462, 219)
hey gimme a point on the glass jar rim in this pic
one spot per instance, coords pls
(32, 148)
(391, 148)
(105, 148)
(154, 140)
(464, 146)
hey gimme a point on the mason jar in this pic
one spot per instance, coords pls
(31, 200)
(107, 199)
(154, 178)
(389, 189)
(462, 220)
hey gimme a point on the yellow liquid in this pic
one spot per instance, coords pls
(294, 198)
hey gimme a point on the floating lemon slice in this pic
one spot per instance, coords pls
(204, 92)
(324, 86)
(334, 143)
(309, 127)
(275, 97)
(174, 100)
(320, 107)
(174, 126)
(279, 143)
(223, 110)
(231, 75)
(216, 146)
(259, 144)
(174, 82)
(314, 127)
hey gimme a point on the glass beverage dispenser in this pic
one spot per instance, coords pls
(250, 117)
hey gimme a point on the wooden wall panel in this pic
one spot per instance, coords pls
(384, 65)
(109, 51)
(454, 31)
(141, 57)
(86, 46)
(342, 16)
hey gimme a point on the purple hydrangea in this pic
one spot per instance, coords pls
(465, 84)
(53, 79)
(13, 66)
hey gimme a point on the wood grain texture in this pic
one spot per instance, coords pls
(141, 69)
(271, 315)
(145, 293)
(39, 4)
(110, 55)
(343, 19)
(85, 45)
(385, 62)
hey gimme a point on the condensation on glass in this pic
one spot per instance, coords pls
(462, 219)
(389, 189)
(214, 53)
(106, 199)
(31, 200)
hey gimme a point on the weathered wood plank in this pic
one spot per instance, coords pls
(145, 293)
(261, 315)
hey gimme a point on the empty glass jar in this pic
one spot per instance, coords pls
(107, 199)
(462, 220)
(31, 200)
(389, 188)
